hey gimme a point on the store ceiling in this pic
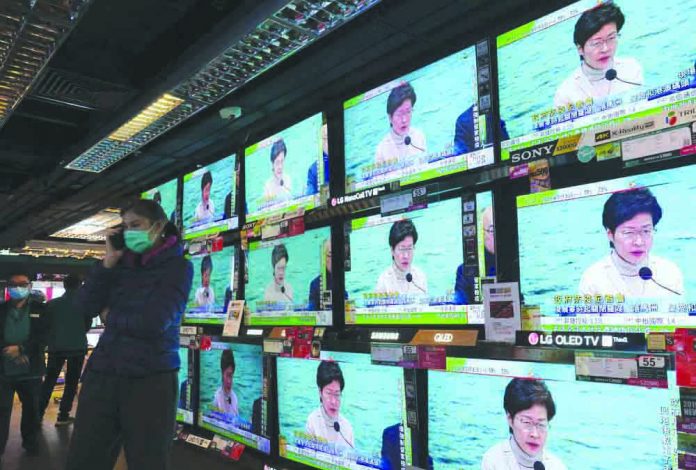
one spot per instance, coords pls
(120, 52)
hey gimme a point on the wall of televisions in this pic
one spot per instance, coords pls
(352, 304)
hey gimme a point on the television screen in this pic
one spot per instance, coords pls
(290, 280)
(595, 425)
(423, 125)
(613, 254)
(286, 171)
(50, 289)
(422, 267)
(166, 196)
(232, 403)
(342, 412)
(593, 66)
(212, 287)
(209, 198)
(184, 408)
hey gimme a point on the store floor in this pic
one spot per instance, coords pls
(54, 446)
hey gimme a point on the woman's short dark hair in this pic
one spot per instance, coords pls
(400, 230)
(153, 212)
(625, 205)
(227, 360)
(206, 264)
(279, 252)
(593, 19)
(398, 95)
(277, 148)
(327, 372)
(522, 394)
(206, 179)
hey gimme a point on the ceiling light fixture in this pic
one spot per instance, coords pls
(92, 228)
(290, 29)
(30, 33)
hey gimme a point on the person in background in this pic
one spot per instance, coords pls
(129, 390)
(529, 407)
(205, 211)
(403, 141)
(157, 197)
(22, 340)
(315, 287)
(464, 136)
(67, 342)
(278, 290)
(600, 73)
(278, 187)
(313, 172)
(402, 276)
(463, 284)
(205, 296)
(326, 422)
(225, 398)
(629, 218)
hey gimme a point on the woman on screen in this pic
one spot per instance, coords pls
(225, 398)
(529, 408)
(402, 141)
(402, 276)
(278, 187)
(326, 422)
(205, 296)
(629, 218)
(279, 290)
(205, 211)
(600, 73)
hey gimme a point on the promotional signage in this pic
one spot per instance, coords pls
(573, 340)
(284, 228)
(642, 370)
(501, 304)
(188, 330)
(660, 342)
(197, 441)
(235, 311)
(409, 356)
(687, 401)
(445, 338)
(384, 335)
(405, 201)
(657, 146)
(685, 356)
(547, 149)
(359, 196)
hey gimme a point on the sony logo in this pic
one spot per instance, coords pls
(443, 337)
(529, 154)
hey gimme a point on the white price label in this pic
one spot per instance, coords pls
(198, 441)
(655, 362)
(188, 330)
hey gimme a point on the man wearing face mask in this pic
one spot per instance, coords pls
(22, 340)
